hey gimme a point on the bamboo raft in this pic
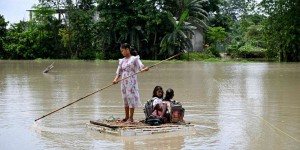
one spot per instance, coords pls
(137, 128)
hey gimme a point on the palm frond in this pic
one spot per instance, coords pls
(182, 18)
(198, 22)
(182, 34)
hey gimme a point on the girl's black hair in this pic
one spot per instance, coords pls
(133, 52)
(155, 91)
(169, 94)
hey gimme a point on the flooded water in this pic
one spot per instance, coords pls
(234, 105)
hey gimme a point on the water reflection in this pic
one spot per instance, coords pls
(155, 141)
(239, 92)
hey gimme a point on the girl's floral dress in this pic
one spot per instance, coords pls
(129, 87)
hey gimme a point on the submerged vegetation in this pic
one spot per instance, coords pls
(157, 29)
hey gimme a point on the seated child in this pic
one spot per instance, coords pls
(175, 112)
(159, 108)
(169, 98)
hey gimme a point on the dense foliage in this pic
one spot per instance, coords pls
(3, 31)
(93, 29)
(282, 28)
(89, 29)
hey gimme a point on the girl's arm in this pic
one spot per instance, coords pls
(118, 72)
(140, 64)
(116, 79)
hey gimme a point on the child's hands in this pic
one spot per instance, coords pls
(145, 69)
(115, 82)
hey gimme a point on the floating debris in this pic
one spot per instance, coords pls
(48, 68)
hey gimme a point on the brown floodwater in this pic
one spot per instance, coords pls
(234, 105)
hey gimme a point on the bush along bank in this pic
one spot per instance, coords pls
(249, 52)
(197, 56)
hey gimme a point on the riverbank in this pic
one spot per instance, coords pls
(212, 60)
(194, 56)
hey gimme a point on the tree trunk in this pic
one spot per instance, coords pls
(283, 56)
(154, 42)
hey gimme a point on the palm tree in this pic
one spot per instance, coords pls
(180, 37)
(197, 15)
(191, 17)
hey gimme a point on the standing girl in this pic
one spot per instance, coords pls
(129, 87)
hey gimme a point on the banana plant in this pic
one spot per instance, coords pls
(180, 37)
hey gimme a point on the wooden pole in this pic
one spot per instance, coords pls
(48, 68)
(106, 87)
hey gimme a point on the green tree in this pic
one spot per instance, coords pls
(3, 25)
(19, 42)
(229, 11)
(3, 32)
(155, 15)
(242, 22)
(79, 28)
(140, 23)
(247, 30)
(78, 23)
(37, 38)
(216, 37)
(47, 43)
(81, 23)
(254, 36)
(117, 23)
(282, 28)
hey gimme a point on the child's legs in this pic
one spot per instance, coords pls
(126, 112)
(131, 112)
(126, 107)
(158, 110)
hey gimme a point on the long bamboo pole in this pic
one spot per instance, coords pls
(107, 86)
